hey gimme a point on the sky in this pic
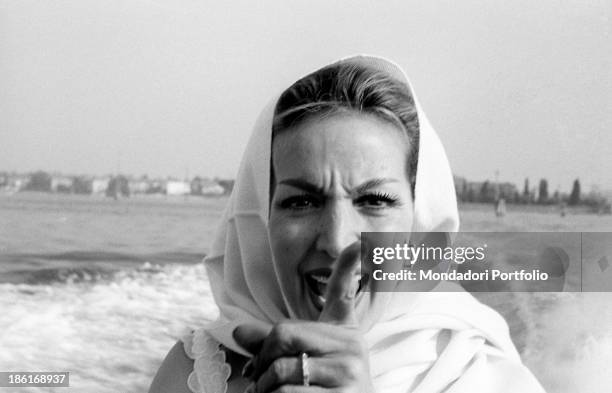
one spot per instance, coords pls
(172, 88)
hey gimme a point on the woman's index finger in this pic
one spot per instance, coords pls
(342, 288)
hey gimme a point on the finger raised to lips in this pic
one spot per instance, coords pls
(342, 288)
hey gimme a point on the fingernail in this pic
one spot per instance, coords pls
(250, 388)
(247, 370)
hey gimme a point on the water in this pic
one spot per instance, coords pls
(58, 232)
(103, 289)
(100, 288)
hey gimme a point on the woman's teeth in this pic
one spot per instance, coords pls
(321, 279)
(318, 285)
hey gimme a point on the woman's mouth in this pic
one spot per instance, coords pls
(317, 281)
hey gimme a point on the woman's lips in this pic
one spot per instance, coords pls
(316, 282)
(317, 285)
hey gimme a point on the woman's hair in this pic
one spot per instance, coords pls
(351, 87)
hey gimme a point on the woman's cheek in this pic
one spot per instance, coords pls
(296, 235)
(292, 238)
(398, 221)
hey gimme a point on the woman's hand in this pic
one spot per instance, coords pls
(337, 354)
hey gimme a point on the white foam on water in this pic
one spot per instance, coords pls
(569, 340)
(110, 335)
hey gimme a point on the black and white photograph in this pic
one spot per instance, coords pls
(305, 196)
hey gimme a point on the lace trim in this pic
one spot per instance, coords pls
(210, 371)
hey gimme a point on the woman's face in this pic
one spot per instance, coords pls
(334, 178)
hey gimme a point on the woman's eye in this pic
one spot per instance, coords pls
(299, 202)
(376, 200)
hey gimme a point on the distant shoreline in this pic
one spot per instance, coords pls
(41, 195)
(204, 199)
(527, 208)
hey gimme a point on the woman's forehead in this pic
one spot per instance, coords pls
(336, 126)
(353, 147)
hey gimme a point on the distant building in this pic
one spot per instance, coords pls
(177, 187)
(99, 185)
(18, 182)
(227, 184)
(156, 186)
(13, 182)
(139, 186)
(61, 184)
(201, 186)
(210, 187)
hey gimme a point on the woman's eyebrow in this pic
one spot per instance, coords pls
(302, 185)
(314, 189)
(373, 183)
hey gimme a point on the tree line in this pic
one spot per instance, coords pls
(490, 192)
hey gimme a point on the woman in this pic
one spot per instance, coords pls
(344, 150)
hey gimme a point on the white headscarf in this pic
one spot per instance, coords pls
(424, 342)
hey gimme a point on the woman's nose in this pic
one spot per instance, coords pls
(339, 228)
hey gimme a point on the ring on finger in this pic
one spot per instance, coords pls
(305, 369)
